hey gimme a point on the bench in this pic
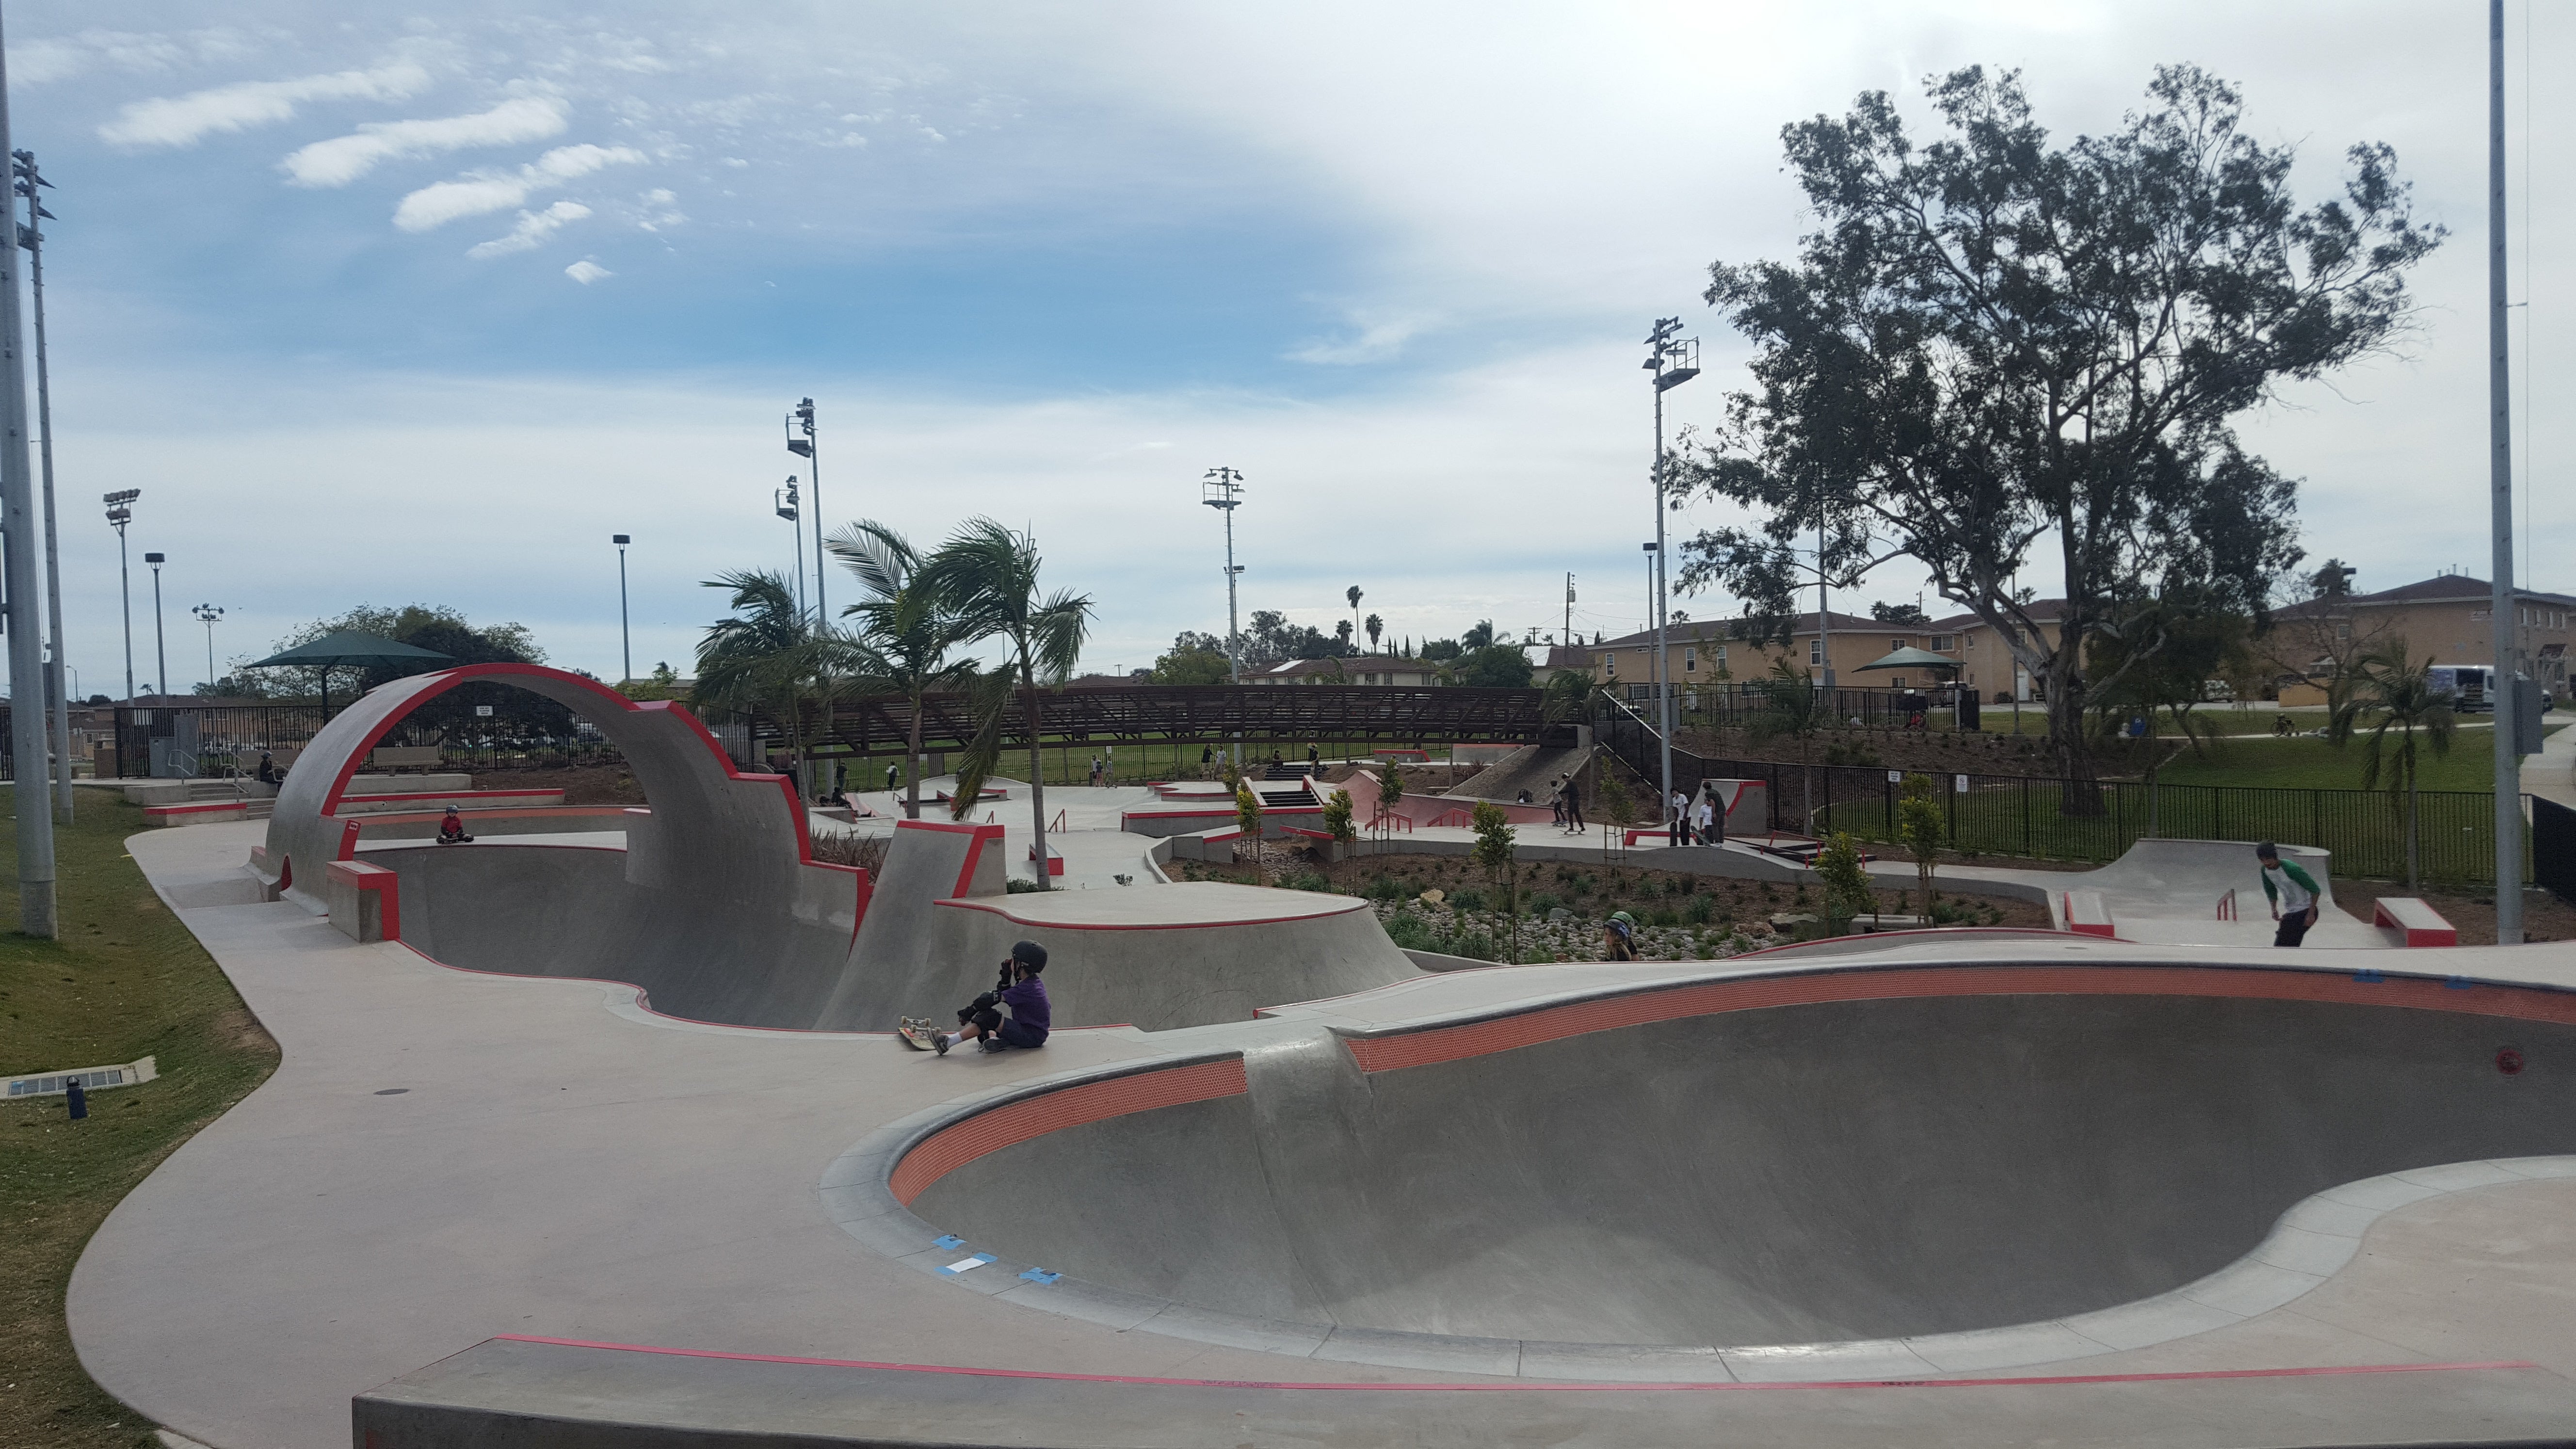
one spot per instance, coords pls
(403, 757)
(2086, 915)
(2414, 922)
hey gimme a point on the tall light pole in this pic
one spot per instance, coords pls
(2508, 694)
(807, 449)
(1222, 490)
(120, 512)
(783, 502)
(26, 180)
(1674, 360)
(1569, 609)
(208, 614)
(160, 645)
(26, 640)
(625, 635)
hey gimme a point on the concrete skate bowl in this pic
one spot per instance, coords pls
(2038, 1162)
(715, 908)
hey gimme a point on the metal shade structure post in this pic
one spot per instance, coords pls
(2500, 609)
(625, 635)
(160, 642)
(27, 743)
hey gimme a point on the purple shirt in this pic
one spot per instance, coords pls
(1028, 1003)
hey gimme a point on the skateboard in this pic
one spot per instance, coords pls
(916, 1032)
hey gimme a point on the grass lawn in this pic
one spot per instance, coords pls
(2313, 764)
(126, 981)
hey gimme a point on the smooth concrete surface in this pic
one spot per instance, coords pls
(1748, 1178)
(562, 1163)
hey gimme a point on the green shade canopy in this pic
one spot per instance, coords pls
(348, 649)
(1913, 658)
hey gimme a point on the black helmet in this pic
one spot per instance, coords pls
(1030, 955)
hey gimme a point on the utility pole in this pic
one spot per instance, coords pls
(1568, 636)
(160, 645)
(625, 635)
(120, 512)
(808, 449)
(27, 742)
(2509, 684)
(27, 181)
(1674, 360)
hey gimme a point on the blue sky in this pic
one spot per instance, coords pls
(381, 305)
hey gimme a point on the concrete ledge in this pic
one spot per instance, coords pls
(196, 812)
(365, 900)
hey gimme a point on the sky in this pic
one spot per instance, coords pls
(380, 305)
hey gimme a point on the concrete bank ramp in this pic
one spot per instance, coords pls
(1764, 1173)
(1151, 956)
(2169, 892)
(1527, 768)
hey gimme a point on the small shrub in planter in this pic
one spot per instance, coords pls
(1409, 931)
(1469, 900)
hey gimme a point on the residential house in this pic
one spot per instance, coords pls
(2448, 619)
(1353, 669)
(1707, 651)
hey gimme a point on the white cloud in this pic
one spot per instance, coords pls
(344, 159)
(533, 228)
(61, 57)
(481, 192)
(1379, 340)
(186, 120)
(587, 272)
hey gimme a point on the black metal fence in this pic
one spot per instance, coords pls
(1737, 703)
(214, 739)
(2018, 815)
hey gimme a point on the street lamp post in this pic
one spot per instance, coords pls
(809, 449)
(2500, 609)
(208, 614)
(160, 646)
(120, 512)
(1222, 490)
(26, 181)
(1674, 360)
(625, 635)
(27, 742)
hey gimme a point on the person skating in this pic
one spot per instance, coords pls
(1574, 808)
(1021, 992)
(1677, 818)
(2291, 890)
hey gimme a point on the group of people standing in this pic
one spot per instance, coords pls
(1565, 804)
(1699, 820)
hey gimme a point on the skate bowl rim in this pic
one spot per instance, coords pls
(868, 1190)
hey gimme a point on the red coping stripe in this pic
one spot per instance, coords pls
(984, 903)
(959, 1143)
(367, 877)
(1451, 1043)
(1719, 1386)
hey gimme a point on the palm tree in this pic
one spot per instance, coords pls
(767, 658)
(2401, 696)
(986, 578)
(1353, 594)
(1376, 626)
(903, 637)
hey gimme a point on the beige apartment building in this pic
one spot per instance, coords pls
(1705, 652)
(1354, 669)
(2448, 619)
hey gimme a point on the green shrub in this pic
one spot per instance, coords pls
(1663, 916)
(1702, 910)
(1308, 880)
(1469, 900)
(1384, 888)
(1016, 886)
(1475, 946)
(1409, 931)
(1544, 902)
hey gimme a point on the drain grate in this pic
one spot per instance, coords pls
(44, 1084)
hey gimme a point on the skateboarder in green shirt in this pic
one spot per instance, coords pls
(2291, 890)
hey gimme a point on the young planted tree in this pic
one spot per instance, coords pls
(2398, 698)
(1919, 830)
(900, 637)
(1793, 708)
(1992, 346)
(1247, 826)
(1619, 808)
(986, 578)
(1390, 793)
(1338, 822)
(1846, 885)
(1496, 846)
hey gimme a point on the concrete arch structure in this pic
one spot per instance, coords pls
(717, 908)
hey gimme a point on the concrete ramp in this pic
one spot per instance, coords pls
(2196, 892)
(1530, 768)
